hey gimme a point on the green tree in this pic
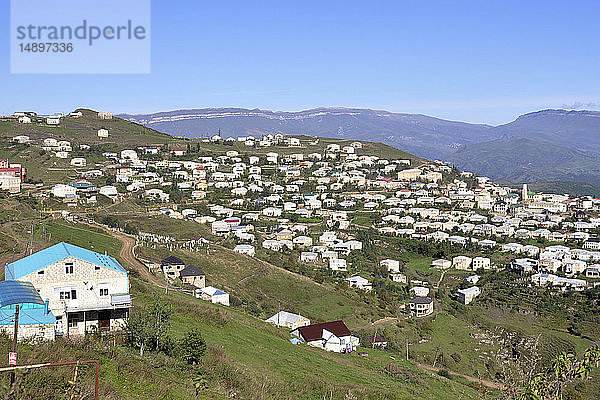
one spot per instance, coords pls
(566, 369)
(148, 328)
(192, 347)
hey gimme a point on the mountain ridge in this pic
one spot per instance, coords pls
(572, 132)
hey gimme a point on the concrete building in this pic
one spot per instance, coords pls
(421, 306)
(85, 290)
(10, 183)
(466, 296)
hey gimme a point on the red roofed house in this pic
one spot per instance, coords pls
(330, 336)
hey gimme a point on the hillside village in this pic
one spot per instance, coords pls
(404, 232)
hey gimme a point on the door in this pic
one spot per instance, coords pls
(104, 320)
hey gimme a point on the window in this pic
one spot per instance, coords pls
(68, 268)
(103, 291)
(96, 267)
(73, 320)
(41, 272)
(68, 294)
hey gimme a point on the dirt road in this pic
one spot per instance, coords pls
(484, 382)
(126, 254)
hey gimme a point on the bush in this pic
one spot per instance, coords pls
(192, 347)
(445, 373)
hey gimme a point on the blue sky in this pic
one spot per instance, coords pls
(472, 61)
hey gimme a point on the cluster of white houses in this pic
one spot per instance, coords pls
(308, 196)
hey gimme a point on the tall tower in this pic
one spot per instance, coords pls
(524, 193)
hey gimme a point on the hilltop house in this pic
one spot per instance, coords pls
(84, 289)
(53, 120)
(330, 336)
(288, 320)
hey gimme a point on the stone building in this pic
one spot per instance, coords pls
(85, 290)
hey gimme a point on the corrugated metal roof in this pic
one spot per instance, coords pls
(58, 252)
(315, 332)
(13, 292)
(27, 316)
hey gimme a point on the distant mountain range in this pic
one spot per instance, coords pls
(543, 146)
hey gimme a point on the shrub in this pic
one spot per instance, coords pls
(192, 347)
(445, 373)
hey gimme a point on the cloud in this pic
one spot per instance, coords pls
(579, 105)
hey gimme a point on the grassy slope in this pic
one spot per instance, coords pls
(270, 287)
(247, 356)
(83, 130)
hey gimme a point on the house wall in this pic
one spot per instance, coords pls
(172, 271)
(86, 280)
(198, 281)
(37, 332)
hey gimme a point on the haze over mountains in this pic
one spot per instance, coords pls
(543, 146)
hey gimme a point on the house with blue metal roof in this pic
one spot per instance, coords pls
(36, 321)
(85, 290)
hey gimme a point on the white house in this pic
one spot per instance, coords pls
(330, 336)
(10, 183)
(308, 256)
(338, 264)
(480, 262)
(421, 306)
(102, 133)
(54, 120)
(245, 249)
(420, 291)
(62, 191)
(288, 320)
(214, 295)
(85, 290)
(466, 296)
(393, 266)
(359, 282)
(462, 262)
(109, 191)
(441, 264)
(78, 162)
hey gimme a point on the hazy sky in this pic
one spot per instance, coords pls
(485, 61)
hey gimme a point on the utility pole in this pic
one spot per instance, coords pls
(16, 330)
(278, 312)
(31, 239)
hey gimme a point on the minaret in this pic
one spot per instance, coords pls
(524, 193)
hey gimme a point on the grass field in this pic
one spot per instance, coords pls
(247, 359)
(265, 288)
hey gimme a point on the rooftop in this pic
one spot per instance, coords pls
(48, 256)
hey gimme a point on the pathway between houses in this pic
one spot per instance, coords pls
(127, 254)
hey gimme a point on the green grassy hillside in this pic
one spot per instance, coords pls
(246, 358)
